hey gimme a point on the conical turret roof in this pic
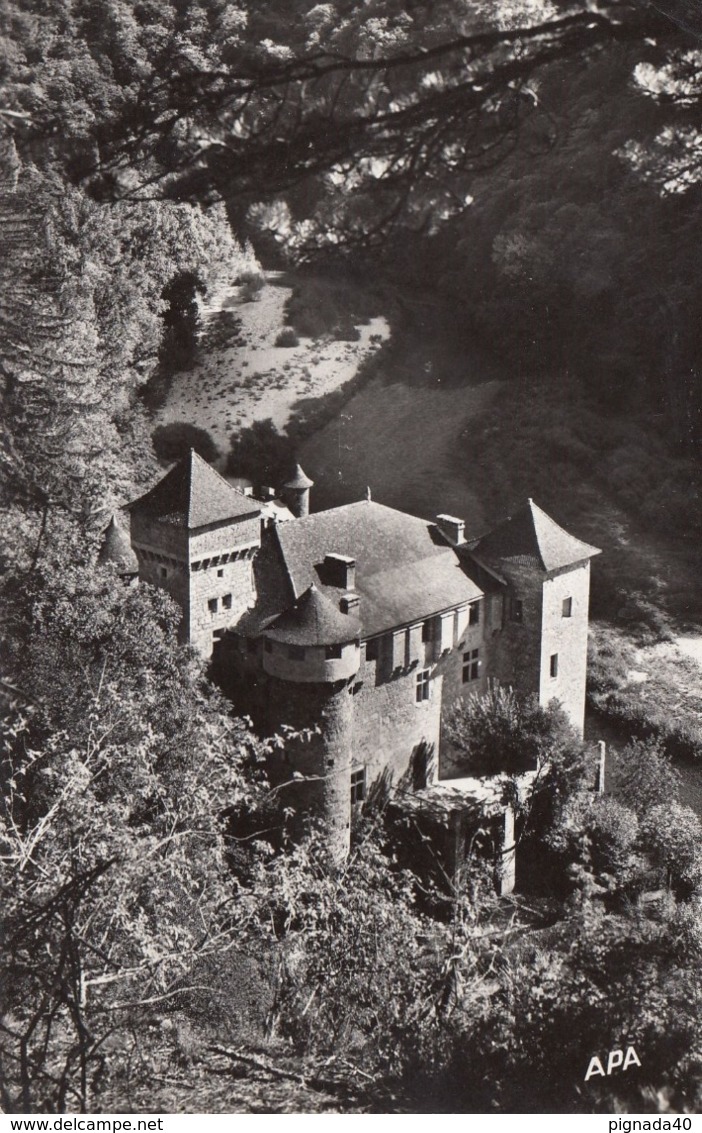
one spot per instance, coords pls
(531, 538)
(192, 494)
(299, 480)
(116, 548)
(314, 619)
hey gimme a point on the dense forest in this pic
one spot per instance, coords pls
(535, 169)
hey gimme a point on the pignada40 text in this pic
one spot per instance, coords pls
(627, 1125)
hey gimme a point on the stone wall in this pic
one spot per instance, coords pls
(566, 638)
(323, 757)
(229, 586)
(469, 639)
(212, 565)
(389, 723)
(163, 537)
(312, 666)
(162, 552)
(221, 577)
(516, 650)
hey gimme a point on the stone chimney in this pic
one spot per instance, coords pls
(349, 601)
(340, 570)
(452, 529)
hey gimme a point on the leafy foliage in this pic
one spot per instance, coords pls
(502, 732)
(644, 777)
(115, 878)
(175, 440)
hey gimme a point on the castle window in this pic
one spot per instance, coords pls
(474, 614)
(358, 786)
(332, 652)
(554, 665)
(296, 652)
(423, 688)
(163, 572)
(516, 610)
(426, 631)
(212, 605)
(567, 607)
(205, 563)
(227, 601)
(220, 574)
(471, 665)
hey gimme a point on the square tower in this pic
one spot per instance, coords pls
(195, 537)
(542, 647)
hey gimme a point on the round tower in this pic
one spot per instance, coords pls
(296, 493)
(116, 550)
(312, 653)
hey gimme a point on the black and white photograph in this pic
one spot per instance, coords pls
(351, 560)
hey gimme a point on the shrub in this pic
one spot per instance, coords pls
(501, 732)
(644, 777)
(287, 337)
(346, 332)
(262, 453)
(251, 284)
(171, 442)
(596, 836)
(671, 835)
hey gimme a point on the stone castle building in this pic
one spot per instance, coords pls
(362, 623)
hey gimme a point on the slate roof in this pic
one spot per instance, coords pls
(117, 548)
(405, 571)
(532, 538)
(299, 479)
(314, 619)
(192, 494)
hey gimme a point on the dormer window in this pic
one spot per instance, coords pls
(340, 570)
(474, 614)
(333, 652)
